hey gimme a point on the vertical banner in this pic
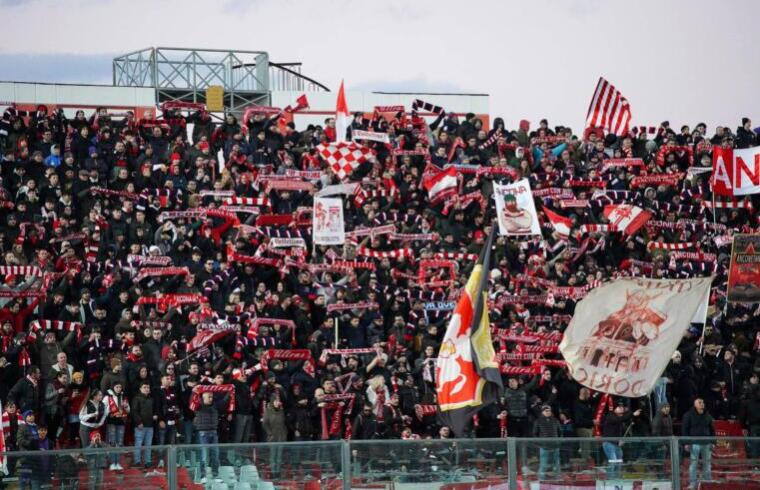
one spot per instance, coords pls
(516, 209)
(328, 226)
(744, 271)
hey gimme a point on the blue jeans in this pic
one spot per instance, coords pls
(614, 454)
(115, 438)
(189, 436)
(143, 438)
(705, 450)
(547, 457)
(207, 438)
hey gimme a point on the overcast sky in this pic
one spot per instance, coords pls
(685, 61)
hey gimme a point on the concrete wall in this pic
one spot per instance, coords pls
(78, 96)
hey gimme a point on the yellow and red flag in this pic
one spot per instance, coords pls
(467, 374)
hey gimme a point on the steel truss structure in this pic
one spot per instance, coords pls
(183, 74)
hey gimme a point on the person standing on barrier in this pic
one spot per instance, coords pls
(698, 423)
(547, 426)
(614, 426)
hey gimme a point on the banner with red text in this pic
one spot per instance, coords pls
(516, 209)
(622, 334)
(736, 172)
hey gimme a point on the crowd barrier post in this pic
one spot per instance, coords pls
(675, 462)
(171, 467)
(345, 463)
(512, 462)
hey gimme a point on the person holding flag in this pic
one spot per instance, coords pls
(467, 374)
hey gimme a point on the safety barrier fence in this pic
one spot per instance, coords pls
(454, 464)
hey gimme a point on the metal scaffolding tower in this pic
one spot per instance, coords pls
(184, 74)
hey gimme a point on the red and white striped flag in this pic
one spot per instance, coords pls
(441, 185)
(561, 224)
(608, 110)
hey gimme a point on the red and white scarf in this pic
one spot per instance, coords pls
(390, 254)
(345, 352)
(362, 305)
(336, 403)
(58, 325)
(290, 355)
(160, 271)
(6, 422)
(670, 179)
(371, 232)
(195, 397)
(248, 201)
(733, 204)
(20, 270)
(671, 246)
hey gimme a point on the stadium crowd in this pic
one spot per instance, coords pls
(123, 240)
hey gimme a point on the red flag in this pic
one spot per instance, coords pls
(301, 103)
(626, 218)
(342, 116)
(561, 224)
(441, 185)
(207, 337)
(723, 171)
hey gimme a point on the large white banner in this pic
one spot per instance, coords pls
(328, 227)
(516, 209)
(623, 334)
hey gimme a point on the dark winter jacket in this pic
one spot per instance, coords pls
(142, 410)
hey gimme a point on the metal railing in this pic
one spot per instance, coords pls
(430, 463)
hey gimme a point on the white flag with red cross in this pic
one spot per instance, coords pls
(626, 218)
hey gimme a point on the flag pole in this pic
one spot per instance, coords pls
(335, 320)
